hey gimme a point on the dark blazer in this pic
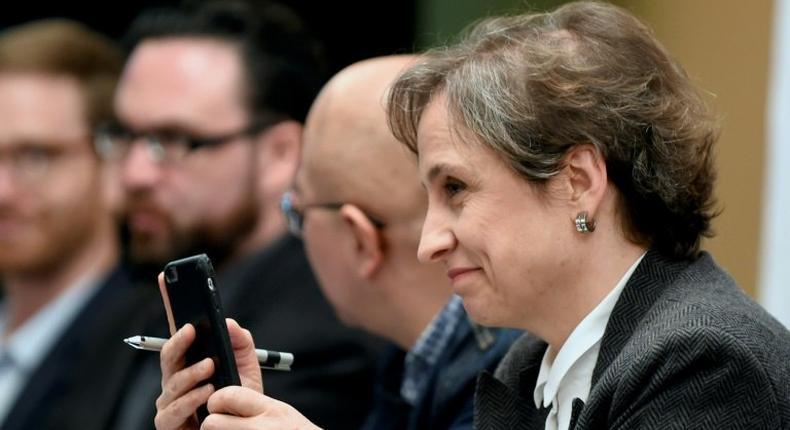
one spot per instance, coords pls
(63, 393)
(684, 348)
(448, 404)
(274, 295)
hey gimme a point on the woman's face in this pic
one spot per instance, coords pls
(505, 245)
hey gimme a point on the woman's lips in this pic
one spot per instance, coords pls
(458, 272)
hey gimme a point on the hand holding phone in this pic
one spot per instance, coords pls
(182, 403)
(190, 295)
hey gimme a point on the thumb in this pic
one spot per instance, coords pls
(237, 401)
(246, 359)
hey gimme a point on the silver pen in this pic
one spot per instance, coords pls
(267, 359)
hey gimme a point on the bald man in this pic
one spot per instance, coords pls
(358, 204)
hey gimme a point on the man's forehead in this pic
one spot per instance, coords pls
(181, 81)
(181, 63)
(319, 145)
(307, 178)
(191, 51)
(41, 107)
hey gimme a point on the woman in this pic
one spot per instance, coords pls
(568, 163)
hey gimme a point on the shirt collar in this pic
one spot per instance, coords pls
(584, 337)
(425, 353)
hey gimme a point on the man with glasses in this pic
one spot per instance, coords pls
(358, 204)
(207, 138)
(66, 303)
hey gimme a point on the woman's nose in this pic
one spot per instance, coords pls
(437, 239)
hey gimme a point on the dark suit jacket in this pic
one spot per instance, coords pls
(448, 403)
(684, 348)
(62, 393)
(274, 295)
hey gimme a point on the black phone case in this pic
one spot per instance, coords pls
(194, 299)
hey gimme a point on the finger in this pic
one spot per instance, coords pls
(224, 422)
(184, 381)
(171, 358)
(239, 401)
(166, 300)
(178, 412)
(240, 338)
(246, 358)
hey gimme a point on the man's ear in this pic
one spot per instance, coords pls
(278, 151)
(587, 177)
(368, 242)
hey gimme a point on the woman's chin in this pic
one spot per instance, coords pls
(478, 311)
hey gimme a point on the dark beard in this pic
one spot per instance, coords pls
(141, 272)
(220, 243)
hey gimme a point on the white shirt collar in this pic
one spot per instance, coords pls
(569, 376)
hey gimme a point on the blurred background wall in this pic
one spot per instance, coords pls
(775, 248)
(726, 46)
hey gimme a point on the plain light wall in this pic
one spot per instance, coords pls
(775, 250)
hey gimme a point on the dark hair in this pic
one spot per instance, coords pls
(530, 87)
(283, 64)
(63, 47)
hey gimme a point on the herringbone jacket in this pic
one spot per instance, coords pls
(684, 348)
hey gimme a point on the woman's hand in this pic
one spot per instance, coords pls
(180, 398)
(241, 408)
(246, 359)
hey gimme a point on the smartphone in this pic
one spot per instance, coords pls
(190, 296)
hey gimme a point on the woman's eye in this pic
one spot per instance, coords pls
(453, 186)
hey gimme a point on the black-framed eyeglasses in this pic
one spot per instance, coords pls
(113, 141)
(295, 216)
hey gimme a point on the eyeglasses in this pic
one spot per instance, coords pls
(31, 163)
(295, 216)
(113, 142)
